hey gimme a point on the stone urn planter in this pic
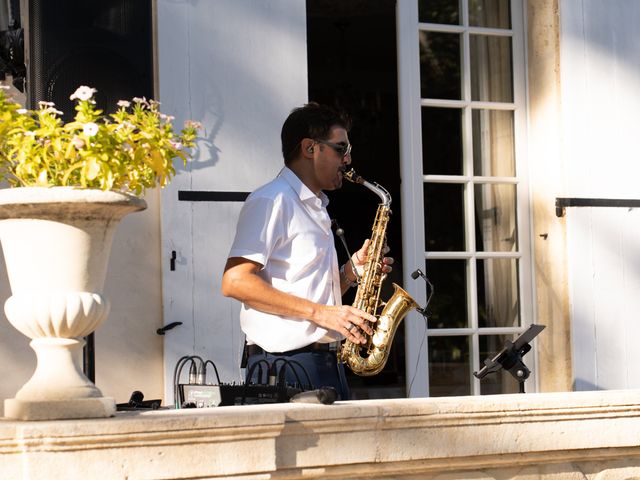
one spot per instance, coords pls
(56, 243)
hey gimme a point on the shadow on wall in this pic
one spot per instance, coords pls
(229, 91)
(17, 358)
(292, 440)
(210, 113)
(581, 385)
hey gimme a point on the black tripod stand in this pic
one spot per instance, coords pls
(510, 357)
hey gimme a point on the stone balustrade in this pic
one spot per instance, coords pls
(592, 435)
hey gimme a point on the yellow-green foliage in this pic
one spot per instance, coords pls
(130, 150)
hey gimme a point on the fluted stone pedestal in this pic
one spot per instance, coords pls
(56, 243)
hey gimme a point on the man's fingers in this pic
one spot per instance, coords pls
(360, 257)
(361, 317)
(355, 335)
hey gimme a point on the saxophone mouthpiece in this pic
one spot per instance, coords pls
(352, 176)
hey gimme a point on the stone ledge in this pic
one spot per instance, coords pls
(560, 435)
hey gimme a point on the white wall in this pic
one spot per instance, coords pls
(600, 71)
(239, 67)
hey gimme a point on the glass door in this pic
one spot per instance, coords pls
(462, 82)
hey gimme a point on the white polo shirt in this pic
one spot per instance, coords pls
(285, 227)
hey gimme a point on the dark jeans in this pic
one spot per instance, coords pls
(322, 367)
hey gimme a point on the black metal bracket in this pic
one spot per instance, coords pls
(510, 357)
(172, 261)
(208, 196)
(563, 202)
(172, 325)
(89, 357)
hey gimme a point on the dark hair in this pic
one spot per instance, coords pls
(309, 121)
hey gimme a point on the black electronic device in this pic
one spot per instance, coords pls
(264, 383)
(510, 357)
(12, 43)
(137, 402)
(106, 44)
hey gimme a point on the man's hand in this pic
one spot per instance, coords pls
(359, 259)
(347, 320)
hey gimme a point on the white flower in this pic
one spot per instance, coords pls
(77, 142)
(123, 103)
(43, 104)
(53, 110)
(90, 129)
(22, 111)
(4, 87)
(83, 93)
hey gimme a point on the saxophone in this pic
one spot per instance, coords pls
(369, 359)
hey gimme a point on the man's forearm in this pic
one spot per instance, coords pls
(254, 292)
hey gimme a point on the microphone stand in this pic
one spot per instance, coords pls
(340, 234)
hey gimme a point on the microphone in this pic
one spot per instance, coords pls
(325, 396)
(418, 273)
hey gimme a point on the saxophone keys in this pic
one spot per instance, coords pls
(379, 340)
(384, 324)
(380, 337)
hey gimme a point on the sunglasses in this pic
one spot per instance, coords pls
(340, 148)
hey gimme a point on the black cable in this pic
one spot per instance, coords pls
(283, 371)
(251, 369)
(250, 375)
(422, 311)
(415, 370)
(176, 379)
(215, 370)
(177, 371)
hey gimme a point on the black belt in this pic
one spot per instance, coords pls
(314, 347)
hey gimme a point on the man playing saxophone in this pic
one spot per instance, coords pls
(283, 265)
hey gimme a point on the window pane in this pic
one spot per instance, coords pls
(501, 381)
(440, 65)
(449, 366)
(491, 70)
(493, 143)
(444, 217)
(490, 13)
(448, 306)
(441, 141)
(496, 229)
(439, 11)
(497, 283)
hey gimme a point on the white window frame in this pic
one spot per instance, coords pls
(410, 104)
